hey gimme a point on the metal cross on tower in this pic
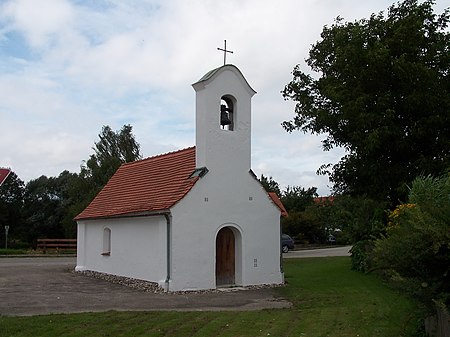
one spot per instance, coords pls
(225, 51)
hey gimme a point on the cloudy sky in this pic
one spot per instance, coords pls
(67, 67)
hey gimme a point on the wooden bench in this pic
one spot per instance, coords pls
(57, 245)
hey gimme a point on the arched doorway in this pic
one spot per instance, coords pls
(225, 257)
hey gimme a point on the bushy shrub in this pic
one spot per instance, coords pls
(361, 255)
(415, 253)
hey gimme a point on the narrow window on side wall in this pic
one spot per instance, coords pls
(106, 241)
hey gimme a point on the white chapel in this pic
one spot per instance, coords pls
(193, 219)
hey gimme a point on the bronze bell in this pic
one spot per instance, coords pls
(224, 117)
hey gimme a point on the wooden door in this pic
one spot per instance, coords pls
(225, 257)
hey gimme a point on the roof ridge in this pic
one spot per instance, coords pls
(161, 155)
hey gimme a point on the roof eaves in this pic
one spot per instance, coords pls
(277, 201)
(209, 74)
(126, 215)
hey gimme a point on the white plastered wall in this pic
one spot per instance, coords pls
(138, 247)
(217, 148)
(221, 205)
(227, 196)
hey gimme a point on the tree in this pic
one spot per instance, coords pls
(306, 226)
(359, 218)
(43, 211)
(297, 198)
(301, 223)
(113, 149)
(48, 205)
(11, 199)
(71, 187)
(382, 94)
(270, 185)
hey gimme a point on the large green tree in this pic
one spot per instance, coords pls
(381, 91)
(112, 150)
(43, 209)
(297, 198)
(11, 201)
(301, 223)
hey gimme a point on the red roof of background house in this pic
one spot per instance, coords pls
(324, 200)
(4, 173)
(152, 184)
(278, 202)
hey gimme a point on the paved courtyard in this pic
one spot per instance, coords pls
(36, 286)
(45, 285)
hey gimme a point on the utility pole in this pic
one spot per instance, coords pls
(6, 236)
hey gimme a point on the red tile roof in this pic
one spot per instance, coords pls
(276, 200)
(149, 185)
(152, 184)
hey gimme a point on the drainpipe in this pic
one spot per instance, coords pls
(281, 251)
(168, 249)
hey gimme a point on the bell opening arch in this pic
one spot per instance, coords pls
(227, 112)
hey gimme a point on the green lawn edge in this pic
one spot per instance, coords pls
(328, 299)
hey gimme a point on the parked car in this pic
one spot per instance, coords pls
(331, 239)
(286, 243)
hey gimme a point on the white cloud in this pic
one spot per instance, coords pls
(39, 21)
(84, 64)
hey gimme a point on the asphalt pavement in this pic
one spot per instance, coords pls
(323, 252)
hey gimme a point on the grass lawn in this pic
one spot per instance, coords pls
(4, 251)
(329, 300)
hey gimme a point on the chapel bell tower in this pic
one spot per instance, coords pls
(223, 121)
